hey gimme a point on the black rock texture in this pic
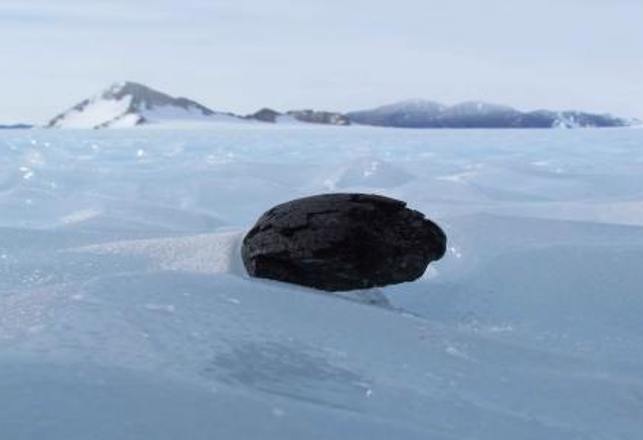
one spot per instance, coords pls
(265, 115)
(320, 117)
(338, 242)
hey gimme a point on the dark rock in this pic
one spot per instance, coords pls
(320, 117)
(342, 242)
(309, 116)
(265, 115)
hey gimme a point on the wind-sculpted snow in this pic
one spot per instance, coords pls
(125, 311)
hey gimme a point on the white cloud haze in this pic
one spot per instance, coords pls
(339, 55)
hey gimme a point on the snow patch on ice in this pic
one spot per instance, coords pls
(203, 253)
(80, 216)
(462, 177)
(366, 172)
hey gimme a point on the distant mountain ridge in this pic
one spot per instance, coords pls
(476, 114)
(130, 104)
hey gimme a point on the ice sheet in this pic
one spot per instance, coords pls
(125, 312)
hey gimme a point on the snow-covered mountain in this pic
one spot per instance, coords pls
(476, 114)
(128, 104)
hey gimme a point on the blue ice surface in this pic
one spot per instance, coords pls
(125, 314)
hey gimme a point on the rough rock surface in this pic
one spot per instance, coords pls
(320, 117)
(265, 115)
(340, 242)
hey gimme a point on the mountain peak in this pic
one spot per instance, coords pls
(414, 104)
(479, 107)
(127, 87)
(128, 103)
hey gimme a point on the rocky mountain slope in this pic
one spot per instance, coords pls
(129, 104)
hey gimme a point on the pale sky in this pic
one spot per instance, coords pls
(240, 55)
